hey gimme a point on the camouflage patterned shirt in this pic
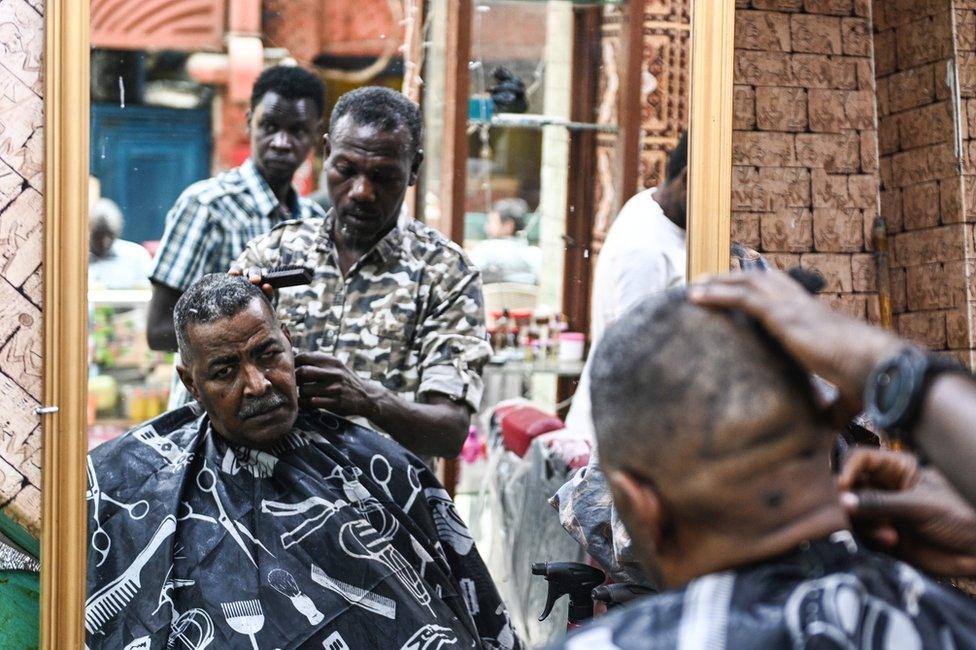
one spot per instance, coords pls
(409, 314)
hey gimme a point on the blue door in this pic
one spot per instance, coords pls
(144, 157)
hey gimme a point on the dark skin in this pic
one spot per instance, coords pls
(282, 132)
(672, 196)
(242, 372)
(844, 351)
(101, 239)
(368, 171)
(909, 511)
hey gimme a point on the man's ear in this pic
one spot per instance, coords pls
(640, 508)
(284, 330)
(415, 166)
(681, 180)
(247, 121)
(187, 378)
(326, 147)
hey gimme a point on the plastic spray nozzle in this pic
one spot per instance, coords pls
(620, 593)
(577, 580)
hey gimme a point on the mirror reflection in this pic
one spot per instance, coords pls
(347, 262)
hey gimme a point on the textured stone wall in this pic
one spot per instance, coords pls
(804, 142)
(962, 317)
(21, 245)
(921, 196)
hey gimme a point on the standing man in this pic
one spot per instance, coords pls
(213, 219)
(391, 329)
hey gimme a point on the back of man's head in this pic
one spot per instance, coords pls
(382, 108)
(512, 211)
(705, 407)
(290, 82)
(213, 297)
(678, 158)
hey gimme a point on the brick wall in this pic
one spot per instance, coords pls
(804, 143)
(921, 188)
(21, 248)
(963, 316)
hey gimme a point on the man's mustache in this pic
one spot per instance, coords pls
(260, 405)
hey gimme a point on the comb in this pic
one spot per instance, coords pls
(287, 276)
(358, 596)
(111, 599)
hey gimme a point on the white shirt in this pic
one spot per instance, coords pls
(644, 254)
(126, 266)
(507, 259)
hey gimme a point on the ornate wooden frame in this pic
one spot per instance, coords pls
(67, 30)
(65, 441)
(710, 137)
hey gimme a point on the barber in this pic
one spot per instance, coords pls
(391, 329)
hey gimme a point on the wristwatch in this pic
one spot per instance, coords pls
(896, 389)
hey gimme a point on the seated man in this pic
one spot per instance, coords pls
(256, 524)
(716, 453)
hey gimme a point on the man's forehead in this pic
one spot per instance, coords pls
(251, 326)
(274, 105)
(370, 139)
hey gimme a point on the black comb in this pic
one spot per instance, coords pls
(287, 276)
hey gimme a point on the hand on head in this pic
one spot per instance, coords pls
(910, 511)
(836, 347)
(254, 277)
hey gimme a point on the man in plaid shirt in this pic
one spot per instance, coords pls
(214, 219)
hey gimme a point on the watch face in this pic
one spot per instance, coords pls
(888, 388)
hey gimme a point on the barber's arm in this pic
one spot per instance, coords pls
(434, 427)
(909, 511)
(452, 352)
(188, 241)
(845, 351)
(160, 331)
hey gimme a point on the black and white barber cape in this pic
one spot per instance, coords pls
(337, 538)
(828, 595)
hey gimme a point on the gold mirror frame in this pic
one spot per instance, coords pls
(66, 106)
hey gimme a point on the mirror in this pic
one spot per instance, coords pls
(134, 69)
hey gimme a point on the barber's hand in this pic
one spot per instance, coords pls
(325, 382)
(840, 349)
(909, 511)
(254, 277)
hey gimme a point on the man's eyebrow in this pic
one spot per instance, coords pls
(225, 360)
(261, 347)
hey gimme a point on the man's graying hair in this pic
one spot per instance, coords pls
(671, 376)
(381, 107)
(211, 298)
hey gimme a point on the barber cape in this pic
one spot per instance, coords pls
(335, 538)
(827, 595)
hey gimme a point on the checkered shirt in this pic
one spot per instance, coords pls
(214, 219)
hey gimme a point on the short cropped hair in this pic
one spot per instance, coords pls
(211, 298)
(512, 211)
(290, 82)
(669, 375)
(678, 158)
(381, 107)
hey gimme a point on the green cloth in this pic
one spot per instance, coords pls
(20, 610)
